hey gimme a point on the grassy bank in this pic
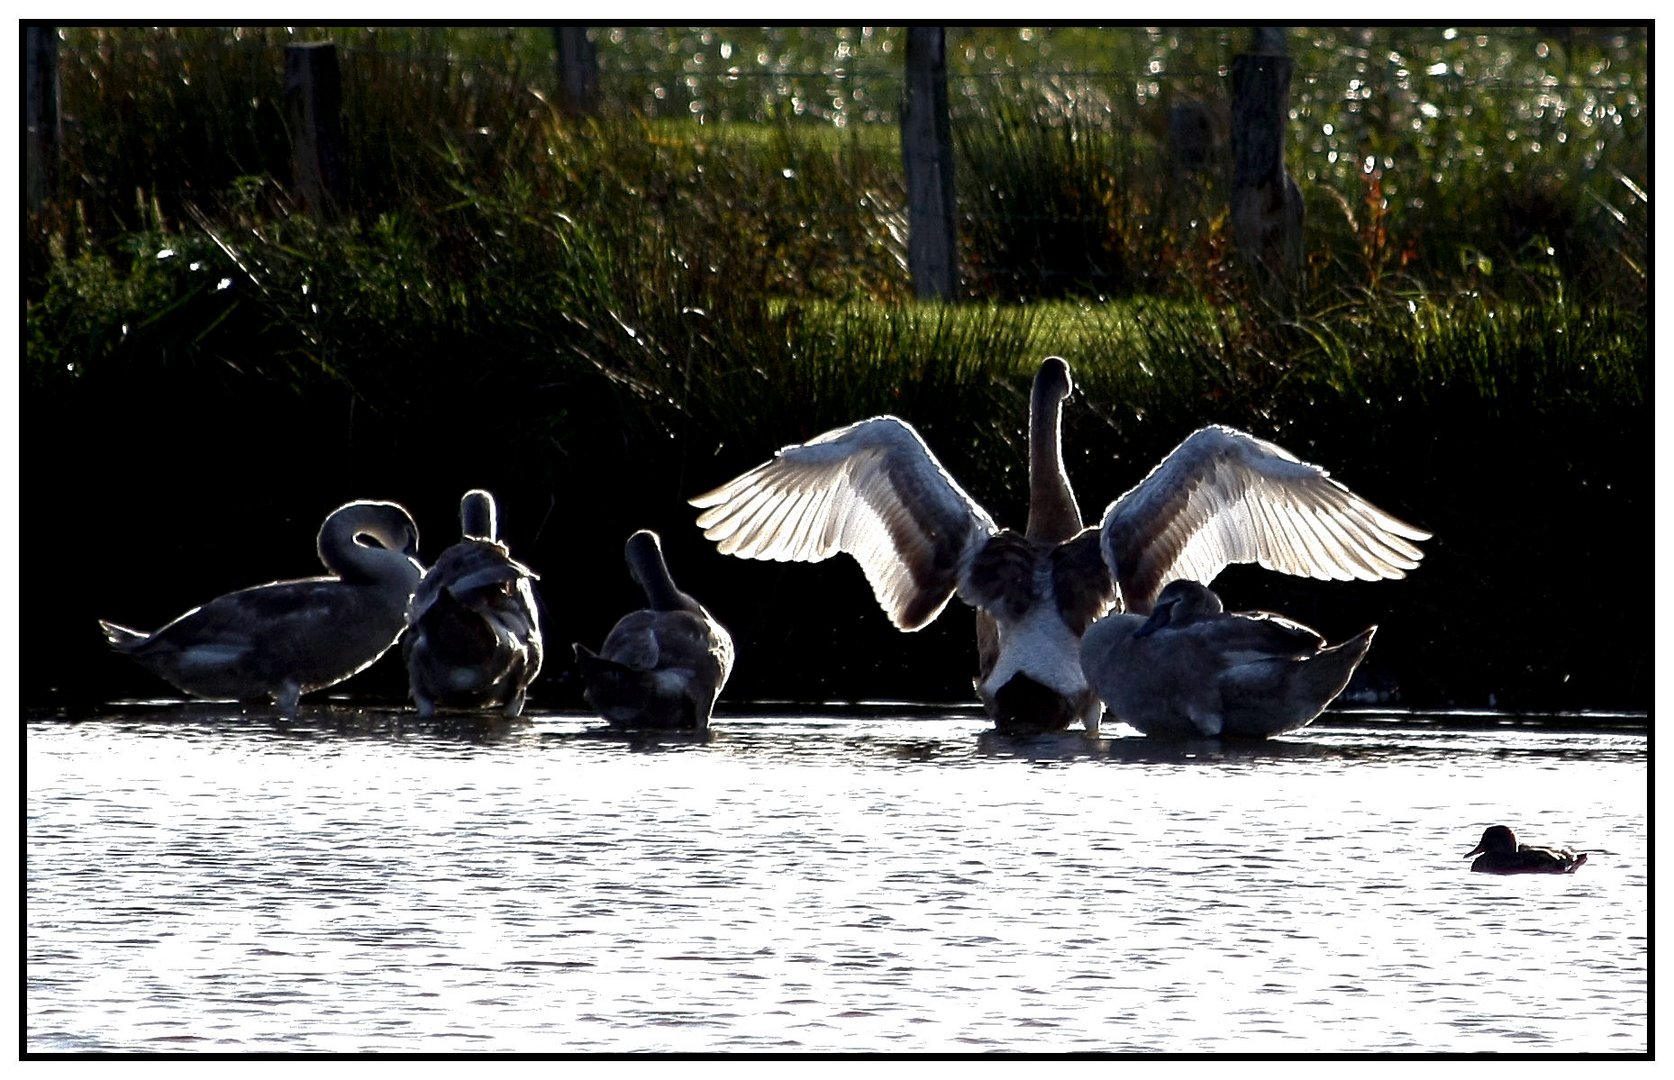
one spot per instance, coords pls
(598, 321)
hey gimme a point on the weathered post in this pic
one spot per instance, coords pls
(578, 71)
(314, 108)
(927, 154)
(40, 122)
(1191, 137)
(1197, 187)
(1266, 203)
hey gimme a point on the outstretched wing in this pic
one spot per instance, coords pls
(1223, 496)
(871, 490)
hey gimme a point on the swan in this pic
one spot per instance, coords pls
(287, 638)
(664, 665)
(1194, 670)
(473, 635)
(1500, 853)
(874, 491)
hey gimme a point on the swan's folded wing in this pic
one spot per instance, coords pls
(1249, 636)
(1223, 496)
(871, 490)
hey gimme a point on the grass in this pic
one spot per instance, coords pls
(600, 319)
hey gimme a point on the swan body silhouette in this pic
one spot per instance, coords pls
(874, 491)
(1193, 670)
(664, 665)
(473, 636)
(287, 638)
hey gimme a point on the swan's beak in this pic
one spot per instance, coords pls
(1158, 620)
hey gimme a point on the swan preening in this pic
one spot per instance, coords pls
(1499, 853)
(473, 635)
(287, 638)
(664, 665)
(1193, 670)
(874, 491)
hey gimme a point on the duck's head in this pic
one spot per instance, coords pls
(1495, 838)
(1180, 600)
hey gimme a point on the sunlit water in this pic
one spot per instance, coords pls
(884, 881)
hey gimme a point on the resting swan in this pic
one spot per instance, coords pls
(1193, 670)
(662, 666)
(288, 638)
(875, 491)
(474, 635)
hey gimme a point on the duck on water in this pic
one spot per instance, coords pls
(284, 639)
(1498, 852)
(874, 491)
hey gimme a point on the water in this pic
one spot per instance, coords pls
(886, 880)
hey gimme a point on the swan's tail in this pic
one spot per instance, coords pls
(121, 637)
(607, 684)
(626, 696)
(1327, 673)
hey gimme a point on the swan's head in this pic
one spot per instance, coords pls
(477, 515)
(1495, 838)
(1180, 600)
(387, 523)
(644, 552)
(1053, 380)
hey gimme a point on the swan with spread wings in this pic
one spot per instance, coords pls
(873, 490)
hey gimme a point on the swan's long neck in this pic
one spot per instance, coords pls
(645, 560)
(477, 515)
(389, 525)
(1053, 515)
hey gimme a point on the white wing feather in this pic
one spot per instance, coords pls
(1223, 496)
(872, 490)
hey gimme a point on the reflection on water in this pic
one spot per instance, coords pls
(889, 879)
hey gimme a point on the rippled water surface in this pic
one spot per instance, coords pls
(872, 880)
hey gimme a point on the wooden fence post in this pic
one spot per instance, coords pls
(41, 120)
(578, 71)
(927, 154)
(314, 106)
(1266, 203)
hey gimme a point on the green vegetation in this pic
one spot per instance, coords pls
(598, 319)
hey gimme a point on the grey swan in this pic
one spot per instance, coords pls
(1194, 670)
(664, 665)
(873, 490)
(473, 637)
(284, 639)
(1499, 853)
